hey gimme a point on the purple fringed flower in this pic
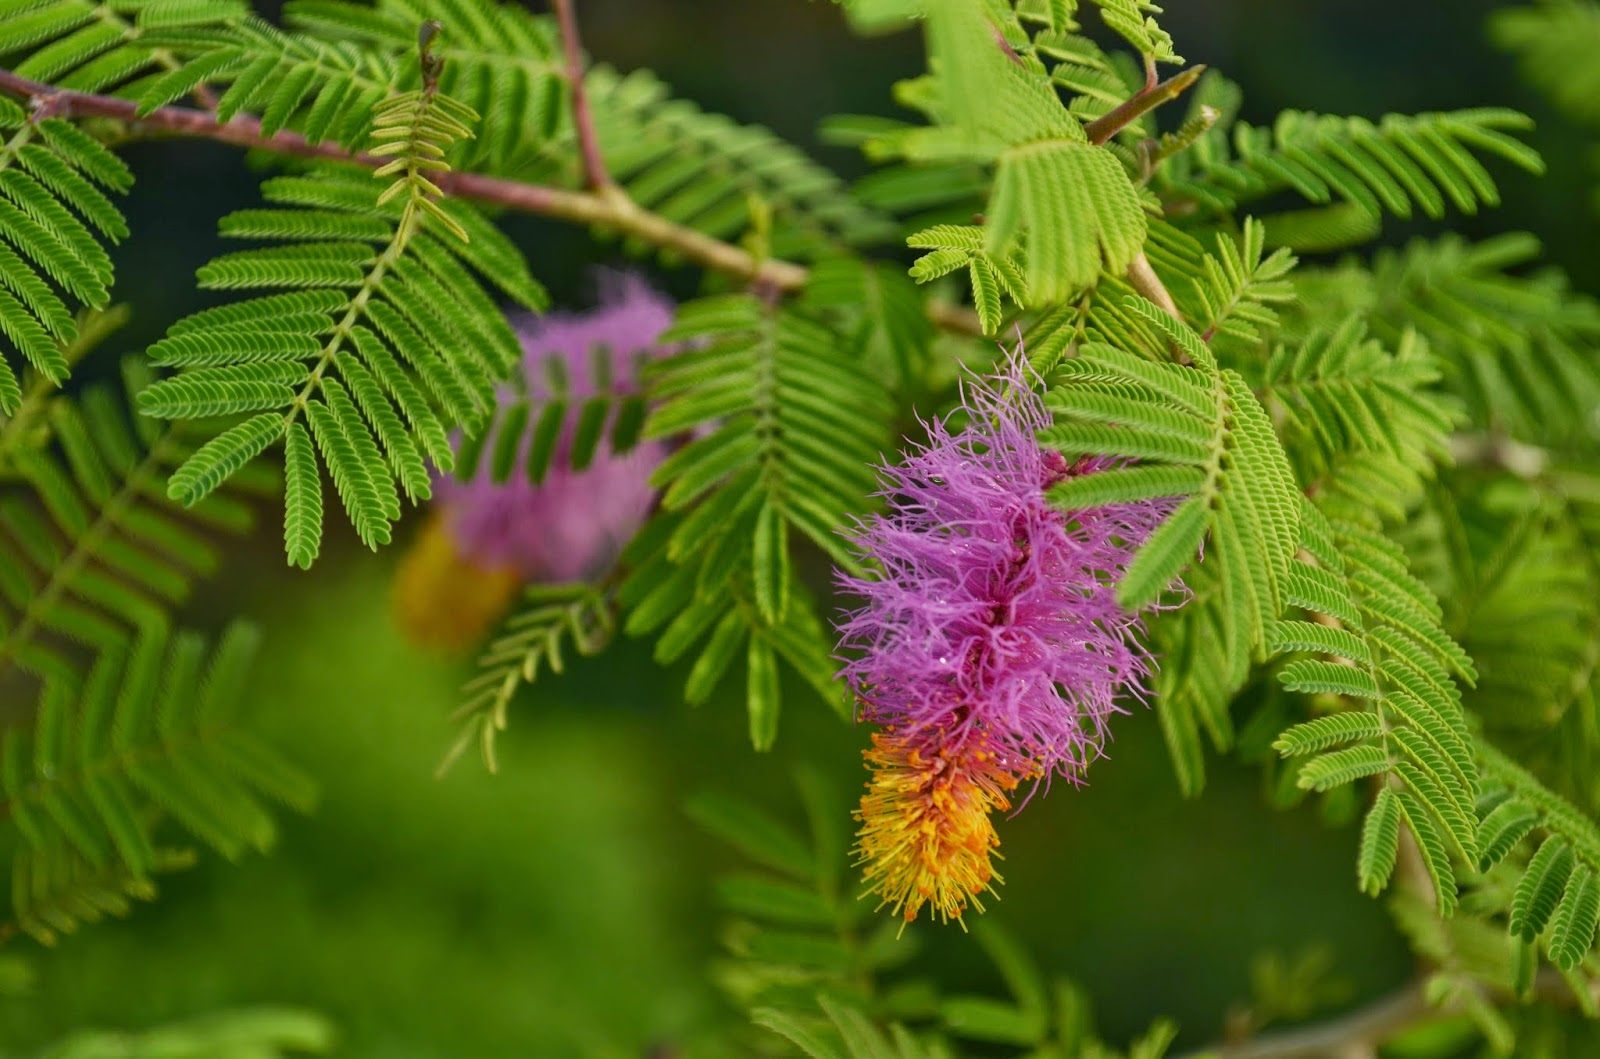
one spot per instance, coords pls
(991, 646)
(994, 612)
(574, 522)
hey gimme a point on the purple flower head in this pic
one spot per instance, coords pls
(574, 522)
(993, 612)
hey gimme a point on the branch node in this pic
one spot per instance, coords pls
(56, 104)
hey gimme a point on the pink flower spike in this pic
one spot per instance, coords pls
(574, 522)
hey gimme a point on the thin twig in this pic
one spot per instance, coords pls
(595, 176)
(1005, 46)
(1141, 103)
(1140, 275)
(1368, 1025)
(1364, 1028)
(609, 210)
(1142, 278)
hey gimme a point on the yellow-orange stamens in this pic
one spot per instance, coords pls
(444, 601)
(926, 836)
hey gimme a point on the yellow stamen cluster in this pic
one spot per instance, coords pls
(444, 601)
(926, 836)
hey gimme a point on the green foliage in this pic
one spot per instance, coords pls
(880, 315)
(801, 962)
(1205, 430)
(1468, 954)
(87, 46)
(1204, 667)
(1079, 212)
(1355, 170)
(56, 890)
(1066, 202)
(1133, 20)
(328, 82)
(152, 720)
(149, 735)
(879, 16)
(1378, 649)
(1298, 422)
(714, 175)
(239, 1033)
(1552, 40)
(499, 59)
(797, 928)
(1198, 432)
(383, 342)
(92, 551)
(1557, 898)
(1290, 988)
(1363, 426)
(686, 166)
(532, 638)
(1516, 565)
(131, 726)
(994, 278)
(1516, 348)
(1097, 82)
(53, 219)
(1233, 295)
(783, 431)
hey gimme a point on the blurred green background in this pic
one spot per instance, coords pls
(562, 907)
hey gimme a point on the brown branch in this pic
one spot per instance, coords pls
(1366, 1027)
(608, 208)
(1141, 103)
(595, 176)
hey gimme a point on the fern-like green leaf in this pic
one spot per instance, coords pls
(1074, 209)
(49, 202)
(754, 386)
(1573, 926)
(1380, 842)
(1398, 165)
(389, 342)
(881, 314)
(154, 730)
(797, 1033)
(1540, 888)
(1112, 402)
(1338, 767)
(1557, 889)
(1328, 731)
(1550, 40)
(954, 247)
(1355, 412)
(1403, 703)
(54, 891)
(532, 639)
(1515, 345)
(92, 551)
